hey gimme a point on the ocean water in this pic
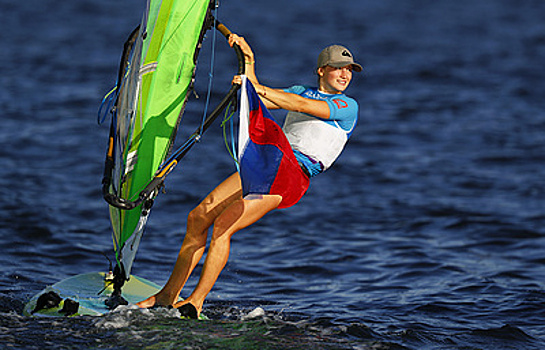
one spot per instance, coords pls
(427, 233)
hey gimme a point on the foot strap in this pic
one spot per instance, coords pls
(188, 311)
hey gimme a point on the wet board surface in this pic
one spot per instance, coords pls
(85, 289)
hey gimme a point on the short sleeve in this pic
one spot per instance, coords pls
(344, 110)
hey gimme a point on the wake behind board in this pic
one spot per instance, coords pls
(84, 289)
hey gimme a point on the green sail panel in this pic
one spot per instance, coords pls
(155, 86)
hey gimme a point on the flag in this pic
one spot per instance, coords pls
(266, 160)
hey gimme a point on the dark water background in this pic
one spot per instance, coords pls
(426, 234)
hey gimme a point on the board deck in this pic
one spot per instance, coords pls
(85, 288)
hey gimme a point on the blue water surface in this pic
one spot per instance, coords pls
(427, 233)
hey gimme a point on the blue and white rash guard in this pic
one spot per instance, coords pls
(318, 142)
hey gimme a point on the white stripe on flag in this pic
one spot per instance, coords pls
(244, 120)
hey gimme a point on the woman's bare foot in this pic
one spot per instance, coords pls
(154, 300)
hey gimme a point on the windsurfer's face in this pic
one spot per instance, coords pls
(334, 80)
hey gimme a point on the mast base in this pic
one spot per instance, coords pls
(118, 280)
(115, 300)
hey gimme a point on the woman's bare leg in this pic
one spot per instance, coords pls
(238, 215)
(198, 222)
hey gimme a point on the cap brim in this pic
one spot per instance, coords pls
(355, 66)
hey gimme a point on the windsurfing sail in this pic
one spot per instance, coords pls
(156, 76)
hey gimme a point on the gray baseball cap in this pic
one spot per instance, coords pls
(337, 56)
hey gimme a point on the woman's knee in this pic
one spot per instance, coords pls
(227, 223)
(198, 222)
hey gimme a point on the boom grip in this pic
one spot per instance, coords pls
(226, 32)
(223, 29)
